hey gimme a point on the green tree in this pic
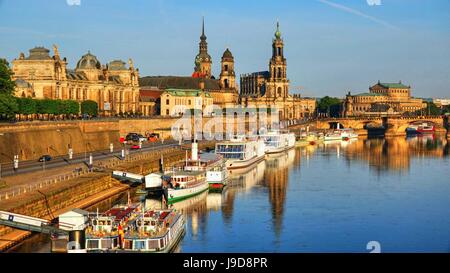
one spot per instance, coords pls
(72, 107)
(8, 106)
(431, 109)
(330, 106)
(446, 109)
(89, 107)
(27, 106)
(7, 85)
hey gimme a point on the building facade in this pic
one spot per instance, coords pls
(382, 98)
(174, 102)
(115, 87)
(271, 88)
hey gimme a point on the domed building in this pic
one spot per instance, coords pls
(115, 87)
(223, 90)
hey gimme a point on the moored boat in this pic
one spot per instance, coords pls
(277, 141)
(185, 184)
(240, 152)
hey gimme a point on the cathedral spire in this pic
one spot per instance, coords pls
(278, 33)
(203, 37)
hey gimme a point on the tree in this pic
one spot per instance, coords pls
(431, 109)
(8, 106)
(72, 107)
(446, 109)
(7, 85)
(330, 106)
(27, 106)
(89, 107)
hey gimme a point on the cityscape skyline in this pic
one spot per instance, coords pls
(169, 47)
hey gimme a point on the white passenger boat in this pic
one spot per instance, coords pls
(213, 164)
(132, 229)
(240, 152)
(348, 133)
(334, 136)
(185, 184)
(277, 141)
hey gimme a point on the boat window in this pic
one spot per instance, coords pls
(139, 245)
(93, 244)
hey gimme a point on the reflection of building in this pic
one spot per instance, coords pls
(223, 90)
(113, 86)
(276, 179)
(271, 88)
(383, 98)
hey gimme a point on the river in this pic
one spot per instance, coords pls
(334, 197)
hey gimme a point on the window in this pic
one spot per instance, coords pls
(167, 111)
(167, 101)
(279, 51)
(225, 68)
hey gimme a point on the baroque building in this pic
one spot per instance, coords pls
(382, 98)
(114, 86)
(271, 88)
(223, 90)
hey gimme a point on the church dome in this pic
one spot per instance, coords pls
(39, 53)
(88, 61)
(117, 65)
(227, 54)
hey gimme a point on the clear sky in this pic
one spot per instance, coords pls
(332, 46)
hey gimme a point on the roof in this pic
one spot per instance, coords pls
(265, 74)
(88, 61)
(369, 95)
(39, 53)
(72, 75)
(227, 54)
(149, 95)
(393, 85)
(117, 65)
(168, 82)
(75, 211)
(22, 83)
(187, 92)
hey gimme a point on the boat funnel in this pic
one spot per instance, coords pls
(194, 155)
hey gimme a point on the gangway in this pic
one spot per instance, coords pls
(33, 224)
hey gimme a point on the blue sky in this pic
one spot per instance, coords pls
(332, 46)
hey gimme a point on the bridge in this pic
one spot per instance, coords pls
(393, 126)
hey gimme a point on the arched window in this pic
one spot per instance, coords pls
(279, 73)
(279, 90)
(279, 51)
(225, 67)
(227, 85)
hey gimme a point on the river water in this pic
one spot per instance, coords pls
(335, 197)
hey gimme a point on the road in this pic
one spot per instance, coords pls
(60, 161)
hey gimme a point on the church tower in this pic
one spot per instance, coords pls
(278, 83)
(203, 59)
(227, 74)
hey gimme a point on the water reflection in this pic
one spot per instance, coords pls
(323, 198)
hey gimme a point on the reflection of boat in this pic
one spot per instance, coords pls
(215, 199)
(185, 184)
(424, 128)
(240, 152)
(309, 139)
(248, 177)
(277, 141)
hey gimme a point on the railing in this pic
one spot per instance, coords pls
(107, 164)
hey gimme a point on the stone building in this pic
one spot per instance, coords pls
(115, 87)
(271, 88)
(194, 100)
(223, 90)
(382, 99)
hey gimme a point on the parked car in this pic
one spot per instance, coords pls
(141, 138)
(153, 137)
(135, 147)
(45, 158)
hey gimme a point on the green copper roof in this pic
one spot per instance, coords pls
(187, 93)
(393, 85)
(368, 95)
(278, 33)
